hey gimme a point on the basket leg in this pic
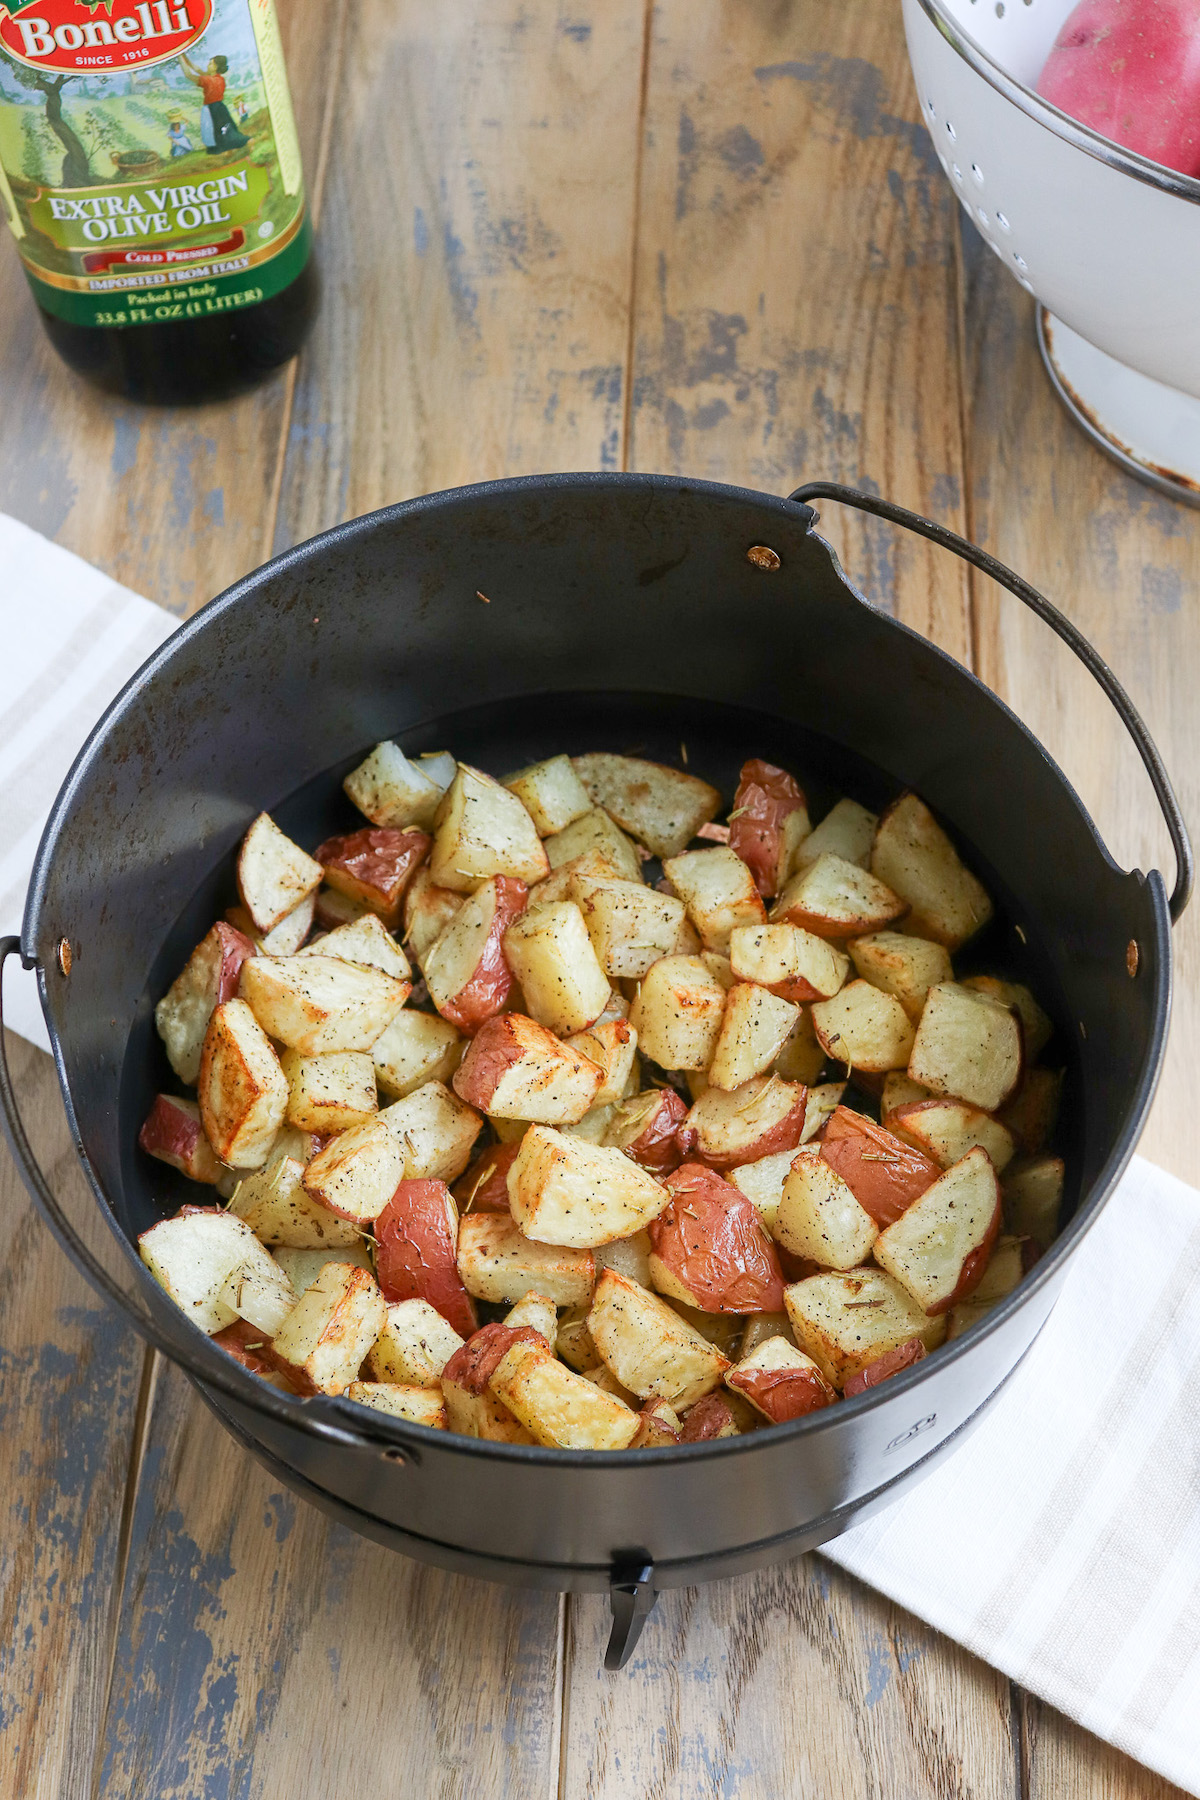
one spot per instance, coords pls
(632, 1596)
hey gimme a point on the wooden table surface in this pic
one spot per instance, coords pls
(560, 234)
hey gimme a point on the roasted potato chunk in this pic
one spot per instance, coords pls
(708, 1247)
(466, 970)
(436, 1130)
(365, 940)
(332, 1092)
(481, 830)
(173, 1133)
(939, 1248)
(768, 823)
(905, 967)
(277, 1207)
(677, 1013)
(208, 979)
(375, 867)
(564, 1191)
(357, 1172)
(718, 891)
(916, 859)
(848, 830)
(845, 1322)
(593, 836)
(516, 1069)
(415, 1048)
(396, 793)
(648, 1347)
(418, 1405)
(630, 925)
(273, 874)
(947, 1129)
(793, 963)
(764, 1116)
(560, 1408)
(967, 1046)
(661, 807)
(646, 1128)
(498, 1263)
(551, 793)
(836, 899)
(864, 1028)
(243, 1090)
(780, 1381)
(884, 1174)
(416, 1254)
(316, 1004)
(332, 1326)
(755, 1026)
(550, 953)
(819, 1219)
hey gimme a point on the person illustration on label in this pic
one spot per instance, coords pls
(217, 128)
(181, 143)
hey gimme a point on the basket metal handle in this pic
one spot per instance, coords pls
(1071, 636)
(205, 1363)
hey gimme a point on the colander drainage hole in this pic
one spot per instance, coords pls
(977, 172)
(1002, 222)
(932, 109)
(999, 9)
(1020, 262)
(957, 173)
(951, 133)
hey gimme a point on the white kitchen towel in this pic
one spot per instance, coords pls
(71, 640)
(1061, 1541)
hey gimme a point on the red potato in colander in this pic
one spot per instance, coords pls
(1131, 70)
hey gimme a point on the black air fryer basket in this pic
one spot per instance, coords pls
(624, 612)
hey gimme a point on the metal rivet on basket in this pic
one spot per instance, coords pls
(763, 557)
(1133, 957)
(63, 955)
(394, 1454)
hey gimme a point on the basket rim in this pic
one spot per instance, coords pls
(1083, 137)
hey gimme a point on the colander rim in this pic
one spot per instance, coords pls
(1083, 137)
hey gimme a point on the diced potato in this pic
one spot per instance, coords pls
(939, 1248)
(192, 1257)
(317, 1003)
(947, 1129)
(802, 1057)
(780, 1381)
(836, 899)
(819, 1218)
(718, 966)
(414, 1345)
(591, 866)
(332, 1326)
(661, 807)
(677, 1014)
(481, 829)
(416, 1252)
(916, 859)
(329, 1093)
(899, 1089)
(658, 1426)
(1033, 1191)
(845, 1322)
(273, 874)
(565, 1191)
(428, 909)
(417, 1405)
(763, 1116)
(648, 1347)
(595, 834)
(761, 1328)
(334, 909)
(276, 1206)
(550, 953)
(436, 1131)
(967, 1046)
(416, 1047)
(755, 1027)
(612, 1045)
(562, 1409)
(892, 1362)
(884, 1174)
(1032, 1112)
(243, 1091)
(1003, 1273)
(303, 1266)
(283, 939)
(768, 823)
(466, 971)
(1037, 1025)
(498, 1263)
(551, 793)
(905, 967)
(793, 963)
(864, 1028)
(375, 867)
(516, 1069)
(762, 1182)
(357, 1172)
(367, 941)
(710, 1250)
(645, 1127)
(573, 1341)
(392, 791)
(208, 978)
(536, 1311)
(629, 1256)
(712, 1417)
(848, 830)
(259, 1291)
(630, 925)
(471, 1407)
(173, 1133)
(820, 1107)
(718, 891)
(484, 1187)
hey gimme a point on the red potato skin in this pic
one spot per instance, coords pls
(233, 949)
(375, 865)
(473, 1365)
(657, 1146)
(484, 1187)
(975, 1266)
(883, 1189)
(494, 1048)
(765, 796)
(712, 1240)
(784, 1394)
(1132, 72)
(786, 1135)
(416, 1254)
(236, 1340)
(707, 1419)
(488, 990)
(174, 1137)
(890, 1363)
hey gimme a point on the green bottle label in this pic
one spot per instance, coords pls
(149, 164)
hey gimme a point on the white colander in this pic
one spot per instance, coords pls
(1108, 241)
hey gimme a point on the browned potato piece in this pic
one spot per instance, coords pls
(947, 1129)
(365, 940)
(905, 967)
(428, 909)
(940, 1247)
(658, 1426)
(436, 1131)
(916, 859)
(594, 835)
(273, 874)
(661, 807)
(848, 830)
(243, 1091)
(718, 891)
(793, 963)
(819, 1219)
(414, 1345)
(192, 1256)
(864, 1028)
(552, 794)
(416, 1047)
(332, 1326)
(836, 899)
(754, 1030)
(419, 1405)
(275, 1204)
(780, 1382)
(845, 1322)
(208, 978)
(756, 1120)
(516, 1069)
(648, 1347)
(394, 792)
(317, 1003)
(1032, 1112)
(283, 939)
(629, 1256)
(967, 1046)
(561, 1409)
(536, 1311)
(1033, 1191)
(481, 829)
(331, 1092)
(899, 1090)
(550, 953)
(1002, 1275)
(1036, 1024)
(678, 1011)
(612, 1045)
(565, 1191)
(498, 1263)
(357, 1172)
(630, 925)
(762, 1181)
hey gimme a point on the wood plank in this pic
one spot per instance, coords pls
(1064, 1762)
(797, 309)
(1123, 562)
(170, 502)
(478, 257)
(795, 1681)
(69, 1381)
(265, 1651)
